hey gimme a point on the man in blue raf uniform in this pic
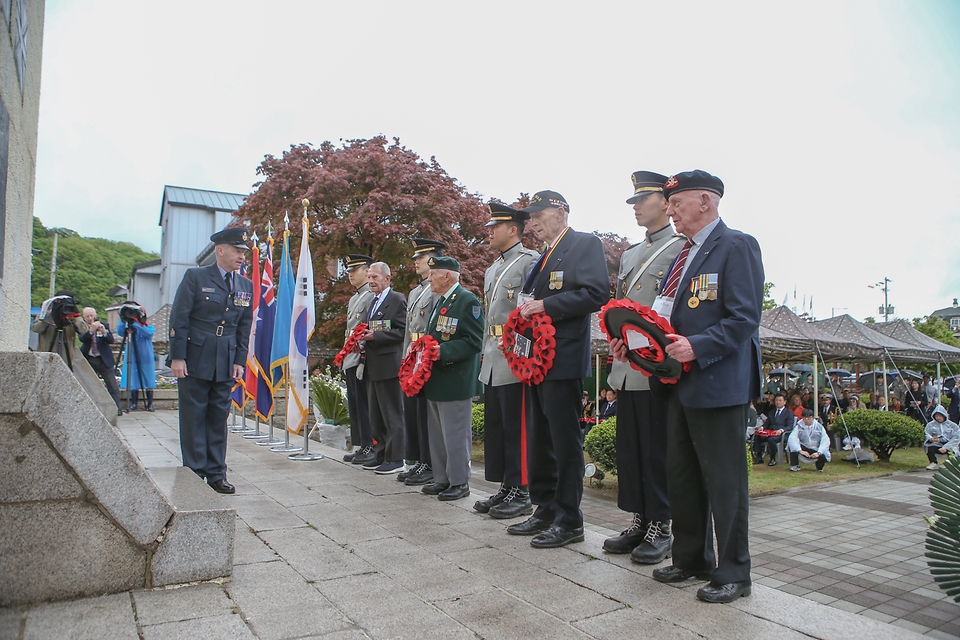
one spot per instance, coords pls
(568, 282)
(209, 330)
(713, 297)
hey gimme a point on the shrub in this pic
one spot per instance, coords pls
(601, 445)
(476, 417)
(882, 431)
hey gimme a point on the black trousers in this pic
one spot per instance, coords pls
(555, 451)
(109, 377)
(933, 450)
(386, 417)
(417, 439)
(359, 410)
(503, 434)
(642, 454)
(795, 458)
(204, 406)
(766, 442)
(707, 478)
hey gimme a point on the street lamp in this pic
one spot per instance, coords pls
(887, 308)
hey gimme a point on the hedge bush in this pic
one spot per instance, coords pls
(601, 445)
(476, 417)
(882, 431)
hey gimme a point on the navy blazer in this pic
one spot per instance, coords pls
(724, 333)
(384, 352)
(786, 420)
(585, 288)
(103, 345)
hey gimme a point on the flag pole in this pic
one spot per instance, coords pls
(305, 455)
(257, 434)
(286, 447)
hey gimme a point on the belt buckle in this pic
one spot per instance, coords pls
(220, 330)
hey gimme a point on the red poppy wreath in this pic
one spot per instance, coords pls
(530, 369)
(350, 344)
(618, 317)
(417, 365)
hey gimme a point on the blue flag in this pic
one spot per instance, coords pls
(280, 349)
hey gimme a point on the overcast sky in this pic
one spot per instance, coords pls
(835, 126)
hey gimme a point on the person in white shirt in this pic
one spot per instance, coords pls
(810, 440)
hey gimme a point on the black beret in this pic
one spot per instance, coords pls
(422, 246)
(352, 261)
(645, 182)
(696, 180)
(502, 213)
(235, 236)
(444, 262)
(544, 200)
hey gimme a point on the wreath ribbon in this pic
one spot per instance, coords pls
(350, 345)
(413, 377)
(530, 369)
(653, 352)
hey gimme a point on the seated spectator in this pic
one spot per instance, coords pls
(844, 402)
(610, 409)
(807, 399)
(587, 406)
(853, 404)
(602, 402)
(881, 403)
(943, 436)
(808, 440)
(780, 421)
(895, 405)
(796, 406)
(765, 405)
(825, 412)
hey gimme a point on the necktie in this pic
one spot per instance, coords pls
(373, 306)
(670, 291)
(227, 279)
(94, 348)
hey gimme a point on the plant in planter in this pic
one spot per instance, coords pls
(883, 431)
(328, 392)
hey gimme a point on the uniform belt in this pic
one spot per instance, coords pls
(414, 336)
(216, 329)
(496, 330)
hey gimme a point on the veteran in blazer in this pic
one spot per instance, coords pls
(568, 283)
(713, 298)
(457, 325)
(420, 304)
(361, 437)
(503, 425)
(383, 350)
(642, 411)
(209, 330)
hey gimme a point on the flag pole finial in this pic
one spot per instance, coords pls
(306, 207)
(286, 220)
(255, 238)
(269, 228)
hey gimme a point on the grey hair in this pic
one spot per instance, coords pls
(382, 267)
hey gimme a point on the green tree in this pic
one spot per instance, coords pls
(768, 301)
(89, 267)
(937, 328)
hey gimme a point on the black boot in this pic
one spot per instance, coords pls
(656, 545)
(483, 506)
(628, 540)
(150, 400)
(515, 503)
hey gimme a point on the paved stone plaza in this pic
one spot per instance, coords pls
(325, 549)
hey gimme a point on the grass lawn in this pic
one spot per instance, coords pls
(764, 479)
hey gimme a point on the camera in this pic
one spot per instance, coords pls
(131, 312)
(62, 310)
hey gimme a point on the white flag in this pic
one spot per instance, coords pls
(302, 324)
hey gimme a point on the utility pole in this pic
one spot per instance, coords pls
(886, 309)
(53, 265)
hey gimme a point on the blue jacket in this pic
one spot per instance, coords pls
(138, 358)
(724, 333)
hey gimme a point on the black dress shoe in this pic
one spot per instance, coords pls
(724, 592)
(656, 546)
(772, 463)
(423, 476)
(517, 503)
(454, 492)
(629, 538)
(435, 488)
(557, 536)
(674, 574)
(531, 526)
(483, 506)
(222, 486)
(758, 461)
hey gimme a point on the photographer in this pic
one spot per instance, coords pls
(95, 347)
(139, 368)
(59, 323)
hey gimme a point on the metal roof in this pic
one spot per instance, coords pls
(200, 198)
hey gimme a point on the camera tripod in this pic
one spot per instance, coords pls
(127, 333)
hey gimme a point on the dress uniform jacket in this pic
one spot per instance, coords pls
(357, 310)
(501, 286)
(209, 325)
(724, 332)
(661, 247)
(384, 352)
(578, 265)
(454, 373)
(420, 304)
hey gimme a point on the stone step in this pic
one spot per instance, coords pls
(198, 542)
